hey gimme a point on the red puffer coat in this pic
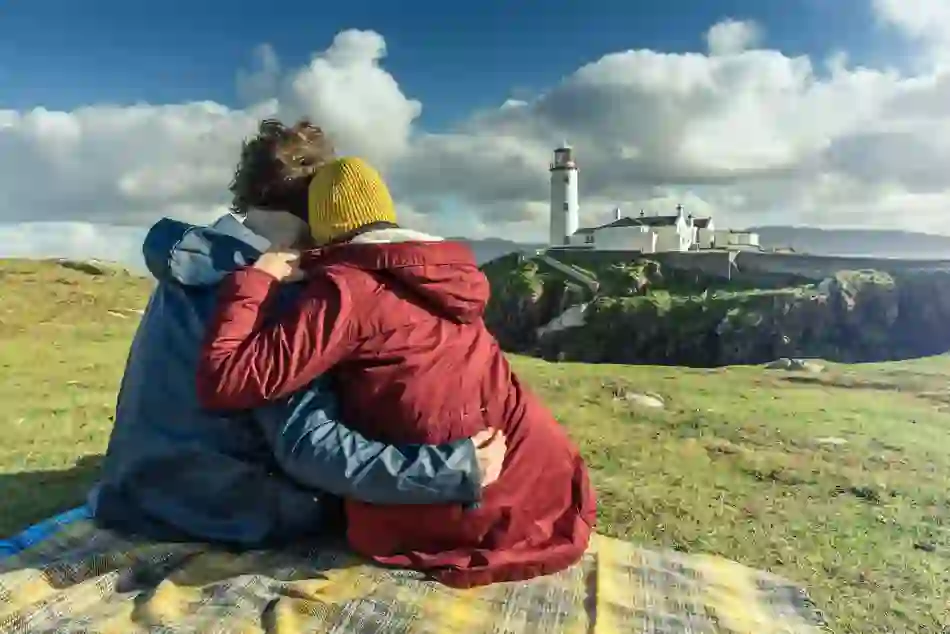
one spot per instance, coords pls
(400, 325)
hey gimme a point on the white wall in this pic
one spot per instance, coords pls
(722, 238)
(685, 229)
(564, 205)
(705, 238)
(626, 239)
(745, 239)
(581, 240)
(671, 238)
(726, 238)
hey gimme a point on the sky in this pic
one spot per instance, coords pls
(832, 113)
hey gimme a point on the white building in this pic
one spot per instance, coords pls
(705, 233)
(742, 239)
(564, 205)
(646, 234)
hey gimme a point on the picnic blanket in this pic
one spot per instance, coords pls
(67, 575)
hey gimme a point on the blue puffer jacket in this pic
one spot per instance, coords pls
(174, 471)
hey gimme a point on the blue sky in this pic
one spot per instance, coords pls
(452, 56)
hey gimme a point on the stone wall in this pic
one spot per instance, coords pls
(753, 267)
(719, 263)
(818, 267)
(712, 263)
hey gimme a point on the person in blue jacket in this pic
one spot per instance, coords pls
(174, 471)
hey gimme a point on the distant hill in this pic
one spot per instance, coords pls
(857, 242)
(863, 242)
(491, 248)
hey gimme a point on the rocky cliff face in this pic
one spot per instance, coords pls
(525, 297)
(644, 315)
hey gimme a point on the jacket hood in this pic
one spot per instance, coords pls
(443, 273)
(199, 256)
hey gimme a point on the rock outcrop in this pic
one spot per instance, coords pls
(642, 314)
(92, 267)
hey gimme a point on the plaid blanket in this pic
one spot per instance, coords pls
(84, 579)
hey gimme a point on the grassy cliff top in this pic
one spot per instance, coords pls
(839, 479)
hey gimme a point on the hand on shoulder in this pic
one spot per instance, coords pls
(281, 264)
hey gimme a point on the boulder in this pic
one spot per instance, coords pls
(794, 365)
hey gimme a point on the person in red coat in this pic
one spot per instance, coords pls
(395, 316)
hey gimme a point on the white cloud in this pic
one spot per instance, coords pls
(122, 165)
(73, 240)
(745, 132)
(347, 91)
(732, 36)
(926, 21)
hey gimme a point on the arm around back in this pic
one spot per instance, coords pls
(247, 361)
(318, 451)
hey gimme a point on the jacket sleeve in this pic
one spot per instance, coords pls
(247, 361)
(316, 450)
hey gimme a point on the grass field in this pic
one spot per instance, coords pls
(838, 480)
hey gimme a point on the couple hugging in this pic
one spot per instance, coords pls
(307, 367)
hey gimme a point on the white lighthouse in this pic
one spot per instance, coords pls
(564, 206)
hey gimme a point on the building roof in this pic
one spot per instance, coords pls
(639, 221)
(701, 223)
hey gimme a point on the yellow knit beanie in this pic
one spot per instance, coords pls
(344, 195)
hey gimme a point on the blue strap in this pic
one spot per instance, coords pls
(36, 533)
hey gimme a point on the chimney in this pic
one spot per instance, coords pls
(617, 215)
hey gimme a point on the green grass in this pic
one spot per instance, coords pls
(732, 466)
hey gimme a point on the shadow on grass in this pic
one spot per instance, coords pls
(847, 383)
(27, 497)
(931, 389)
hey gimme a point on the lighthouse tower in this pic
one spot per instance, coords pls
(564, 206)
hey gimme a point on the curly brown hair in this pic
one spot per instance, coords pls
(276, 167)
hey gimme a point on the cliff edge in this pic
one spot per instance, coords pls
(644, 313)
